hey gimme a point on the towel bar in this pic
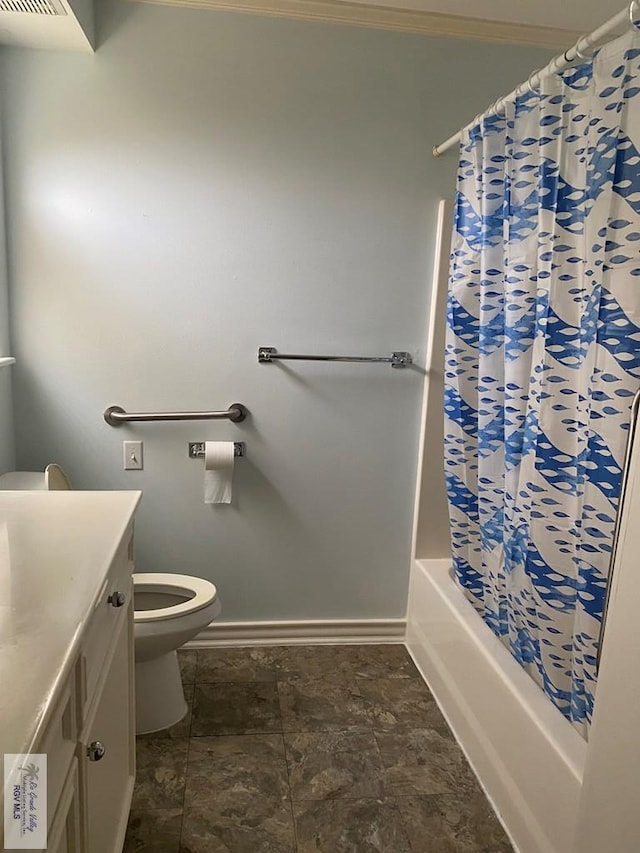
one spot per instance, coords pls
(396, 359)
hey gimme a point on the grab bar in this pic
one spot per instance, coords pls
(116, 415)
(633, 428)
(396, 359)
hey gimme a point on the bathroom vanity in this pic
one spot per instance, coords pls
(66, 656)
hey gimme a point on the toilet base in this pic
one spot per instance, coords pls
(160, 701)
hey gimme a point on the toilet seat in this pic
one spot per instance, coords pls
(201, 594)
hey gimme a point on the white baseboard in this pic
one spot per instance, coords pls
(330, 631)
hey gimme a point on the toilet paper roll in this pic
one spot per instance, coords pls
(218, 471)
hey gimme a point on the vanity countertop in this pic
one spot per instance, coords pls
(55, 552)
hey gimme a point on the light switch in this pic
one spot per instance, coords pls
(132, 455)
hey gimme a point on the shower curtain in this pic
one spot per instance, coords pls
(543, 360)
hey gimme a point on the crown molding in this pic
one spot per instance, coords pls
(388, 18)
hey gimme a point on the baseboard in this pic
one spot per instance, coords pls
(330, 631)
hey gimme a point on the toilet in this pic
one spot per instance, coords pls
(52, 479)
(169, 610)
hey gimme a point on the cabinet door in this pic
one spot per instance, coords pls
(64, 834)
(107, 749)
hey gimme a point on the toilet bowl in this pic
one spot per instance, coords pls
(169, 610)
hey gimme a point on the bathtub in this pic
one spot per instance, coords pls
(529, 758)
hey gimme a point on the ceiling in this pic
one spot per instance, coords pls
(554, 24)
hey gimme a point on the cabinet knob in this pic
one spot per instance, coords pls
(117, 599)
(96, 750)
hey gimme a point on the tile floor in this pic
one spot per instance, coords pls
(307, 749)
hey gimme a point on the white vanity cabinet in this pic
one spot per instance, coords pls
(105, 746)
(107, 749)
(65, 833)
(87, 727)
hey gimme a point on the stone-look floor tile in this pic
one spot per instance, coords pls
(306, 662)
(317, 705)
(182, 728)
(265, 826)
(447, 823)
(343, 662)
(187, 661)
(401, 705)
(350, 826)
(160, 775)
(153, 831)
(228, 773)
(231, 709)
(424, 762)
(250, 664)
(237, 796)
(377, 661)
(334, 764)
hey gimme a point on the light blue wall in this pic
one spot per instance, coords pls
(210, 182)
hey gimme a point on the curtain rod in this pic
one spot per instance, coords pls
(558, 64)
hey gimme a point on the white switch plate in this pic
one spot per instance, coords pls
(132, 455)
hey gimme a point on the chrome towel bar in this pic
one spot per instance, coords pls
(396, 359)
(116, 415)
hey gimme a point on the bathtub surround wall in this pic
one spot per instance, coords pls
(431, 537)
(208, 183)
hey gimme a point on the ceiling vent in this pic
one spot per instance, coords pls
(34, 7)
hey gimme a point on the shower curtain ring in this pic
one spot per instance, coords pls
(578, 52)
(632, 20)
(530, 85)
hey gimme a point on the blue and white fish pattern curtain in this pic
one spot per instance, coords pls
(543, 360)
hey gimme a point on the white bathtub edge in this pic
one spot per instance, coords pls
(528, 759)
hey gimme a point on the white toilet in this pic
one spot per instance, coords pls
(169, 610)
(52, 479)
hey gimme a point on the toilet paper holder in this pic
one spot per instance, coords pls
(196, 449)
